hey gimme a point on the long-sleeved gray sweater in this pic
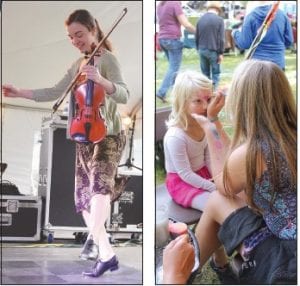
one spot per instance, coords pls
(109, 68)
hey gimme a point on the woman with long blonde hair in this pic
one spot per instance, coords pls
(254, 210)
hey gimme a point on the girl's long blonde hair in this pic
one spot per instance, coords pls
(186, 86)
(263, 109)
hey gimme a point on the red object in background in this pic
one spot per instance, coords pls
(157, 45)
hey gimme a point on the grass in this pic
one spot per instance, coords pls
(191, 61)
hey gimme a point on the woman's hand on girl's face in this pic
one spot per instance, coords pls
(215, 105)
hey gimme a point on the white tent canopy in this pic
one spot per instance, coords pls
(36, 53)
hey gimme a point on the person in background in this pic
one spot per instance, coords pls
(294, 28)
(279, 36)
(210, 41)
(254, 209)
(170, 18)
(96, 163)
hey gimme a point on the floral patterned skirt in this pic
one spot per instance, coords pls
(96, 169)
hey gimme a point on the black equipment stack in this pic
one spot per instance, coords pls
(57, 168)
(21, 215)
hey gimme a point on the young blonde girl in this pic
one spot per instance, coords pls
(187, 159)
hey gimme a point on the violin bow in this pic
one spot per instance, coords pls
(71, 85)
(262, 31)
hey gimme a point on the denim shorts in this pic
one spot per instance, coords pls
(273, 261)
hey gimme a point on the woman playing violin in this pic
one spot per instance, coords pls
(96, 163)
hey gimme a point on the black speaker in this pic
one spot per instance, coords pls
(127, 211)
(61, 208)
(57, 163)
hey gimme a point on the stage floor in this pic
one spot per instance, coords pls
(58, 263)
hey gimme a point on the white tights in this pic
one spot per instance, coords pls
(199, 201)
(95, 221)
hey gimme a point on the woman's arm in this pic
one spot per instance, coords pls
(43, 94)
(243, 39)
(236, 166)
(215, 106)
(218, 149)
(11, 91)
(110, 71)
(288, 34)
(182, 19)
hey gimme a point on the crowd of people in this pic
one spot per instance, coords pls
(245, 183)
(212, 37)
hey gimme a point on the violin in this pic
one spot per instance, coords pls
(87, 124)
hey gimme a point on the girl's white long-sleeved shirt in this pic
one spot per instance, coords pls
(185, 156)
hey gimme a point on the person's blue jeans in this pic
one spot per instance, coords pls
(173, 51)
(209, 65)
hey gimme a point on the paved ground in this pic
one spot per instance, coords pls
(59, 264)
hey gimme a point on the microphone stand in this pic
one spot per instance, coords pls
(129, 160)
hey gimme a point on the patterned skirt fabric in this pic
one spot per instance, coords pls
(96, 169)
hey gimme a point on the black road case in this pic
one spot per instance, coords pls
(57, 167)
(21, 218)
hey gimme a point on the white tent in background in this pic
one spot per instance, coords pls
(36, 53)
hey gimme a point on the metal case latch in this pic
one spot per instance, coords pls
(12, 206)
